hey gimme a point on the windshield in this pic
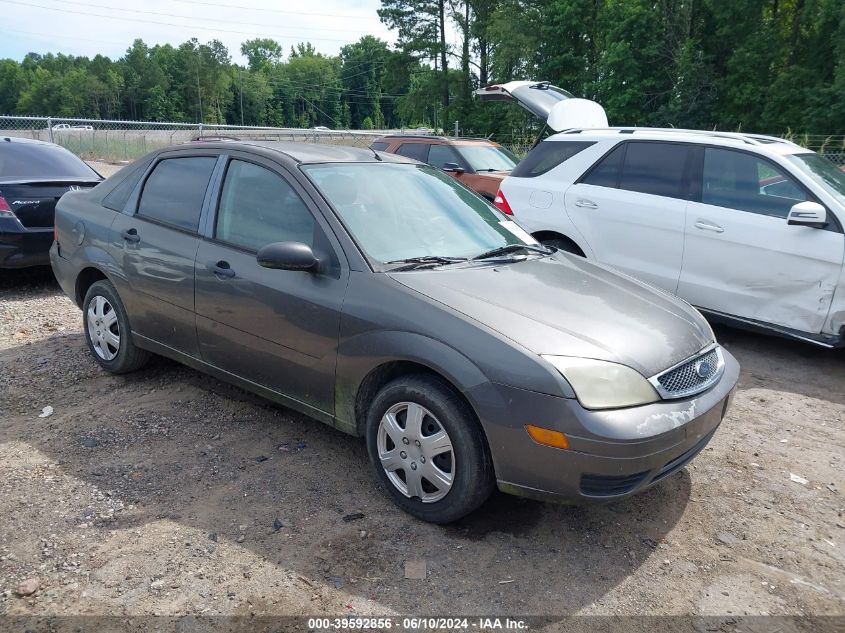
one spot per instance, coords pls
(41, 162)
(397, 212)
(823, 171)
(487, 157)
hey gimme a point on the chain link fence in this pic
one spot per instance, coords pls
(110, 144)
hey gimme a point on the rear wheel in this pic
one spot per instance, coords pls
(427, 449)
(107, 332)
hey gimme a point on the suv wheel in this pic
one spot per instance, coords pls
(107, 330)
(427, 449)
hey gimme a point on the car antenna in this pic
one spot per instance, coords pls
(336, 122)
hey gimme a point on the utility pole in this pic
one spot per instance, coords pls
(199, 92)
(456, 129)
(241, 88)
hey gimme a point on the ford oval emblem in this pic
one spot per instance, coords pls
(703, 369)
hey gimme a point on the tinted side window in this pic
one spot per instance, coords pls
(174, 191)
(117, 197)
(548, 155)
(746, 182)
(417, 151)
(439, 155)
(379, 146)
(655, 168)
(258, 207)
(606, 172)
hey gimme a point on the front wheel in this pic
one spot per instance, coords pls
(428, 450)
(107, 330)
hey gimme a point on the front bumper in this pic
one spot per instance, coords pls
(612, 454)
(21, 247)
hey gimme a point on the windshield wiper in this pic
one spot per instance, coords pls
(414, 262)
(512, 248)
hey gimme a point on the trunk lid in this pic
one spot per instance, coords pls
(34, 201)
(556, 107)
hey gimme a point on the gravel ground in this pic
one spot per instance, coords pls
(168, 492)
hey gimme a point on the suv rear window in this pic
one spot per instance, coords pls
(655, 168)
(175, 189)
(37, 161)
(548, 155)
(379, 146)
(417, 151)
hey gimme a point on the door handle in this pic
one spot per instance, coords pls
(221, 269)
(131, 235)
(587, 204)
(707, 226)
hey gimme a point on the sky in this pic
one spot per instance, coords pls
(108, 27)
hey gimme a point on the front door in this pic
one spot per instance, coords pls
(631, 208)
(742, 258)
(276, 328)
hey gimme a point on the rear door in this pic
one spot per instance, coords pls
(155, 244)
(741, 257)
(631, 208)
(276, 328)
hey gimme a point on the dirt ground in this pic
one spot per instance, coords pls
(168, 492)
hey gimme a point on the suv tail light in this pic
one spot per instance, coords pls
(5, 209)
(501, 203)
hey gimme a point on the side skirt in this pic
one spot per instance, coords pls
(274, 396)
(828, 341)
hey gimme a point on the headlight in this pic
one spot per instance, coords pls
(599, 384)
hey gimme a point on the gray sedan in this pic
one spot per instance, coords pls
(379, 296)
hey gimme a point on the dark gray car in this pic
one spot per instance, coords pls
(381, 297)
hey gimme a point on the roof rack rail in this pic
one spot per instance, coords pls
(439, 137)
(749, 139)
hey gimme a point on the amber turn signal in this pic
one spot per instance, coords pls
(547, 437)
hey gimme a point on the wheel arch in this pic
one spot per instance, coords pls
(369, 362)
(542, 236)
(86, 278)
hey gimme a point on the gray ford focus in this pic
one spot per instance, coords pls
(379, 296)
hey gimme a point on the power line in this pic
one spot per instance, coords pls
(191, 17)
(181, 26)
(239, 6)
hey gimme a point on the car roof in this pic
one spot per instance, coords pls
(26, 141)
(711, 137)
(305, 152)
(433, 137)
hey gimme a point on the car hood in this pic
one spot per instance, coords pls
(567, 306)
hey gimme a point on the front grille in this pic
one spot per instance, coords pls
(692, 376)
(609, 485)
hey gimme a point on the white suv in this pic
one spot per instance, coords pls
(745, 227)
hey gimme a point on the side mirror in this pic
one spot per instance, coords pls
(808, 213)
(287, 256)
(453, 167)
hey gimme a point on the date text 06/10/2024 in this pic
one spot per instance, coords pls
(417, 624)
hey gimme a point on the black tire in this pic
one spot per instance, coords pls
(563, 244)
(471, 465)
(128, 356)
